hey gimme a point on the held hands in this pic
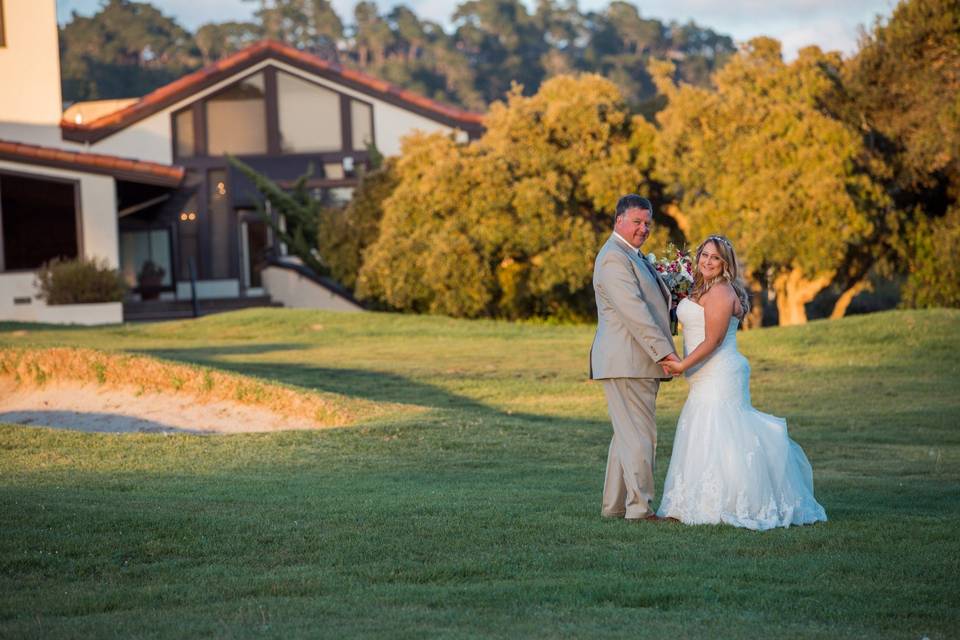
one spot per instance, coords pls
(671, 365)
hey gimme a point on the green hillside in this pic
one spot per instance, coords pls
(478, 515)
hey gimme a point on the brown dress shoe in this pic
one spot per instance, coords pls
(650, 517)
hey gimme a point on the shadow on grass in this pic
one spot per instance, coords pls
(376, 386)
(371, 385)
(37, 326)
(201, 355)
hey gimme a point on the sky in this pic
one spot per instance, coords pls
(831, 24)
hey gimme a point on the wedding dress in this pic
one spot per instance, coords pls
(730, 462)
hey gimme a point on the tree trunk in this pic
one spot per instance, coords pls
(793, 290)
(754, 318)
(840, 308)
(683, 222)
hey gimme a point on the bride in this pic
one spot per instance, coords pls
(730, 462)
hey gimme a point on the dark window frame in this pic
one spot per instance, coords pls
(272, 116)
(77, 210)
(373, 126)
(203, 141)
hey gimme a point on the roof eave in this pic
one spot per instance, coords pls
(81, 162)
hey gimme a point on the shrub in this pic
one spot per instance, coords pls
(79, 281)
(346, 233)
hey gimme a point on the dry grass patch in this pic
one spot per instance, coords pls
(29, 369)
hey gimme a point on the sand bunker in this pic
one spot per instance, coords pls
(88, 407)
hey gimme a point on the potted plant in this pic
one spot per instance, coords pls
(150, 280)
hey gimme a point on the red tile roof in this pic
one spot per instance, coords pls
(122, 168)
(266, 49)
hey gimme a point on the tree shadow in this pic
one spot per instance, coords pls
(365, 384)
(206, 353)
(10, 326)
(376, 386)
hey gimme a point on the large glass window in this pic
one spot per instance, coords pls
(309, 116)
(38, 219)
(183, 127)
(361, 121)
(145, 258)
(237, 120)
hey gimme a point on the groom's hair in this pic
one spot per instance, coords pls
(631, 201)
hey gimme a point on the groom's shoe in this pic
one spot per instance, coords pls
(612, 516)
(650, 517)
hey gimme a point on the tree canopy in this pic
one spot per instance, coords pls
(124, 50)
(129, 48)
(758, 160)
(903, 93)
(508, 225)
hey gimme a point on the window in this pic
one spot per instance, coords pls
(361, 121)
(254, 247)
(141, 246)
(309, 116)
(237, 120)
(39, 221)
(183, 128)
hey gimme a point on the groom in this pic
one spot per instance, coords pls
(632, 341)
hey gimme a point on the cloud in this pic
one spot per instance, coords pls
(828, 35)
(193, 13)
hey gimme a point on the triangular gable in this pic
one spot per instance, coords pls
(193, 83)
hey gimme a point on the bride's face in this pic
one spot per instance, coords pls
(710, 263)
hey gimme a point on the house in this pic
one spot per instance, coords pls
(146, 179)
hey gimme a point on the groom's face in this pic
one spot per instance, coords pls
(635, 226)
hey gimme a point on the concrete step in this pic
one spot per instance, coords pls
(150, 310)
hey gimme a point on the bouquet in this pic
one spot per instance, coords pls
(677, 273)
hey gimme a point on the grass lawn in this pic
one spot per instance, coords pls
(478, 515)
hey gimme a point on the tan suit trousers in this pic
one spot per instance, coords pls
(628, 489)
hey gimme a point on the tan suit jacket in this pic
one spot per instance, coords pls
(633, 315)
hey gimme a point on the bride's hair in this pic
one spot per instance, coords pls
(730, 273)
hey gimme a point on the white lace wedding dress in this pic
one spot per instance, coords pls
(730, 462)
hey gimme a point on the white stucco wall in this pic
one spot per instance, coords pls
(151, 138)
(30, 63)
(98, 223)
(293, 290)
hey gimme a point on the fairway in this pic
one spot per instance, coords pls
(464, 502)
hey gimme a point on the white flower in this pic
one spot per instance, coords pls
(652, 257)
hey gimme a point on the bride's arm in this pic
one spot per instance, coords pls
(718, 306)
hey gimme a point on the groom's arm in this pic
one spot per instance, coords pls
(622, 291)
